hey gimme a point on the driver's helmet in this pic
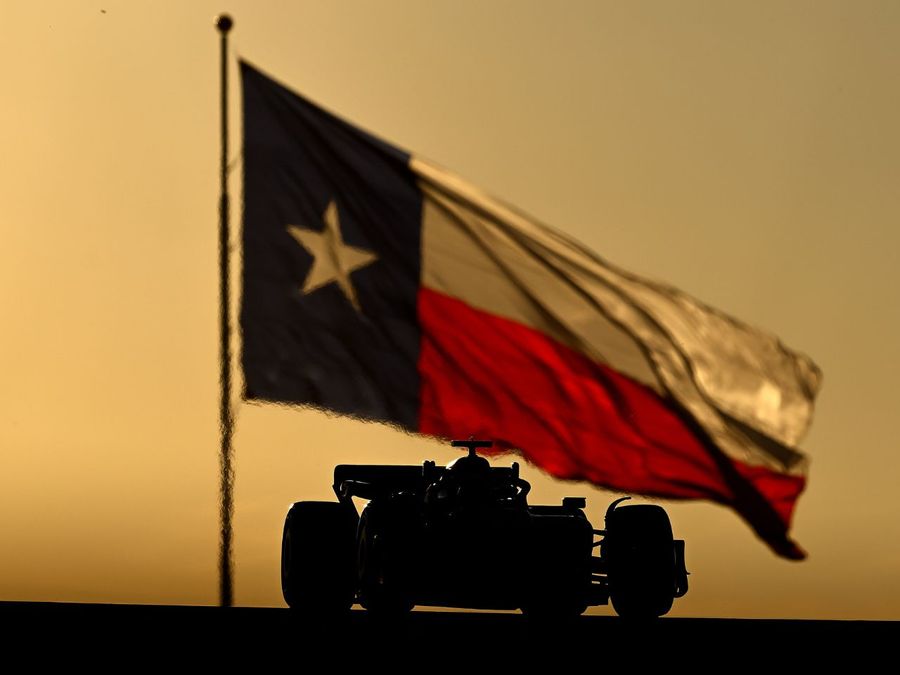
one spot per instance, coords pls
(472, 475)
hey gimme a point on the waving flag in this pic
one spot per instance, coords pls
(379, 285)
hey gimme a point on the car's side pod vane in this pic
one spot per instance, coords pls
(612, 507)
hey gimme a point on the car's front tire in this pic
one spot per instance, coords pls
(640, 556)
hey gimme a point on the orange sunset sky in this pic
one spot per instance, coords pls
(746, 152)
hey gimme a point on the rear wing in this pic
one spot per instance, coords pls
(372, 480)
(379, 477)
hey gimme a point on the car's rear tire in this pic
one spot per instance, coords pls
(557, 572)
(640, 557)
(317, 558)
(381, 581)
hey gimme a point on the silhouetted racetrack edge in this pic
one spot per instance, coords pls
(77, 632)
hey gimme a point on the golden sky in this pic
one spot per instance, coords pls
(747, 152)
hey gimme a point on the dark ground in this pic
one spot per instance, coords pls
(123, 636)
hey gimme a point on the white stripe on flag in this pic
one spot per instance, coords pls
(752, 395)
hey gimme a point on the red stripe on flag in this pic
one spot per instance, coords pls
(490, 377)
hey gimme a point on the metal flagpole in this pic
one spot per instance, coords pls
(226, 421)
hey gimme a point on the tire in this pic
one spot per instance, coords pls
(640, 555)
(557, 572)
(381, 582)
(317, 560)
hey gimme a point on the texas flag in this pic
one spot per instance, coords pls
(379, 285)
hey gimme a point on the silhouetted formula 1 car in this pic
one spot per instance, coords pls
(465, 536)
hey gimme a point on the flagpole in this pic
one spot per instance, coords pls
(226, 421)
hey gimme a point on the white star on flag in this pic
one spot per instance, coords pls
(333, 260)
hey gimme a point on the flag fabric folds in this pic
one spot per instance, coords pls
(379, 285)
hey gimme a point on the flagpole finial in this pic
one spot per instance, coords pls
(224, 23)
